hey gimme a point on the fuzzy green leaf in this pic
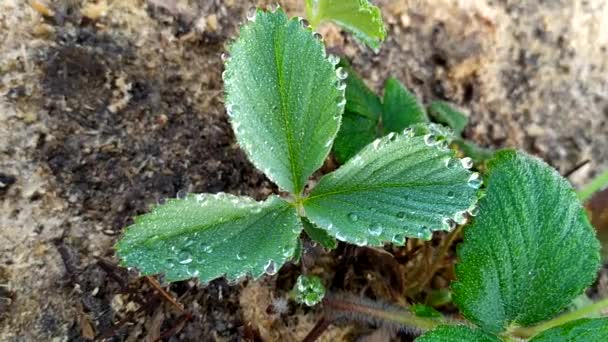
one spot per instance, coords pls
(209, 236)
(398, 186)
(359, 98)
(530, 251)
(456, 334)
(401, 107)
(355, 133)
(359, 17)
(582, 330)
(283, 99)
(444, 113)
(319, 235)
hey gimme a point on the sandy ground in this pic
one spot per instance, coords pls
(105, 110)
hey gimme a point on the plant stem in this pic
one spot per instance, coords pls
(526, 332)
(599, 183)
(360, 310)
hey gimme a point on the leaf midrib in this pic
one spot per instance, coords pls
(376, 187)
(294, 170)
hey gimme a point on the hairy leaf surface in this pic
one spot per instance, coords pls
(401, 107)
(399, 186)
(359, 17)
(530, 251)
(582, 330)
(283, 99)
(456, 334)
(208, 236)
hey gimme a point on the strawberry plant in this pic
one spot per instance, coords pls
(528, 253)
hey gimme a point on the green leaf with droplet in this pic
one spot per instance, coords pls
(282, 97)
(456, 334)
(355, 133)
(309, 290)
(361, 18)
(582, 330)
(444, 113)
(399, 186)
(360, 120)
(209, 236)
(401, 107)
(530, 251)
(319, 235)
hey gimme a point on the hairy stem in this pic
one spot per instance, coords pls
(527, 332)
(596, 185)
(363, 310)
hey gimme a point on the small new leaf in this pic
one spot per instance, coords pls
(283, 98)
(209, 236)
(456, 334)
(359, 17)
(444, 113)
(530, 251)
(401, 107)
(582, 330)
(398, 186)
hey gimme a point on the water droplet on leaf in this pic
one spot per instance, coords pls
(375, 229)
(466, 162)
(270, 268)
(341, 73)
(252, 14)
(430, 140)
(352, 217)
(475, 181)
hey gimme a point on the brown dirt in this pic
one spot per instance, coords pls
(104, 114)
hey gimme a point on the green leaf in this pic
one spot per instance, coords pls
(444, 113)
(401, 107)
(282, 98)
(530, 251)
(309, 290)
(319, 235)
(208, 236)
(355, 133)
(422, 310)
(456, 334)
(359, 17)
(359, 98)
(360, 120)
(398, 186)
(582, 330)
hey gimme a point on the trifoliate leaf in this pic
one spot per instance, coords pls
(456, 334)
(355, 133)
(401, 107)
(283, 99)
(359, 17)
(444, 113)
(319, 235)
(582, 330)
(209, 236)
(398, 186)
(530, 251)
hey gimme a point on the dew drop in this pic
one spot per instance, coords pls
(305, 24)
(448, 224)
(342, 103)
(341, 73)
(252, 14)
(398, 239)
(475, 181)
(352, 217)
(186, 261)
(392, 136)
(317, 36)
(240, 256)
(181, 194)
(460, 217)
(333, 59)
(376, 144)
(401, 215)
(341, 86)
(451, 163)
(375, 229)
(225, 57)
(206, 248)
(466, 162)
(273, 7)
(430, 140)
(473, 211)
(451, 194)
(270, 268)
(360, 242)
(408, 132)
